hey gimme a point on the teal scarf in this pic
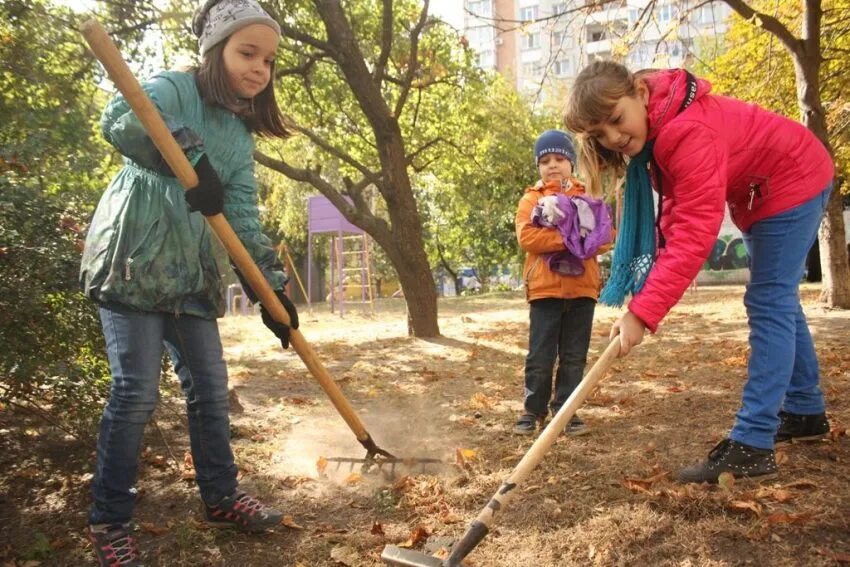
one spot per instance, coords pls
(634, 252)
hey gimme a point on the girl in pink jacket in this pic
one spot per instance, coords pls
(702, 152)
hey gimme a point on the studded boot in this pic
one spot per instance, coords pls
(733, 457)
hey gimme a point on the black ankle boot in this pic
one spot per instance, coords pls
(796, 427)
(732, 457)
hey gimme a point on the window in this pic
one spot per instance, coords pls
(486, 59)
(530, 69)
(595, 34)
(480, 8)
(562, 40)
(559, 8)
(528, 14)
(666, 13)
(705, 15)
(531, 41)
(480, 36)
(563, 67)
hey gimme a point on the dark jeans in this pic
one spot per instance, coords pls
(135, 341)
(559, 328)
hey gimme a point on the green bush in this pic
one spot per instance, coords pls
(53, 356)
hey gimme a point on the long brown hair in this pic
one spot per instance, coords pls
(261, 113)
(593, 96)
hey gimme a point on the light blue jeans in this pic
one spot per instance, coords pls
(135, 342)
(783, 370)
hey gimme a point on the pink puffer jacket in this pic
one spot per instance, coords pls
(717, 151)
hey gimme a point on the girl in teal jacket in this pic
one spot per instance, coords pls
(149, 264)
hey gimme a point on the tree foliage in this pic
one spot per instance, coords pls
(752, 65)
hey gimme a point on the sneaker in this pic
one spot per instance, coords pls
(576, 427)
(794, 427)
(114, 546)
(730, 456)
(526, 424)
(242, 512)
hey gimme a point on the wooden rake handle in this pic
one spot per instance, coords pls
(481, 525)
(107, 52)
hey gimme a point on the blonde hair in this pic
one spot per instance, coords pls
(592, 99)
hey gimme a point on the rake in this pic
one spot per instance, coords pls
(480, 527)
(107, 53)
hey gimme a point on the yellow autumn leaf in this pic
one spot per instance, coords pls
(289, 522)
(321, 465)
(353, 479)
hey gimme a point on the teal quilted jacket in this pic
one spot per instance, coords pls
(144, 248)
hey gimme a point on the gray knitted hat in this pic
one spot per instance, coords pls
(217, 20)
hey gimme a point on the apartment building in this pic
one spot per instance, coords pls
(543, 44)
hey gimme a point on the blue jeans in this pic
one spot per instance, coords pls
(135, 341)
(783, 370)
(558, 328)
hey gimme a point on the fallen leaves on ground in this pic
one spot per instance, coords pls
(289, 522)
(418, 534)
(153, 529)
(321, 465)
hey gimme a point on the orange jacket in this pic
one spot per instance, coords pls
(539, 280)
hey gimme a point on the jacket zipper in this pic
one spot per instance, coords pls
(127, 274)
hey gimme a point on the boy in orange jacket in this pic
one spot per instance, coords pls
(560, 306)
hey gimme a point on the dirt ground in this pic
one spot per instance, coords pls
(606, 498)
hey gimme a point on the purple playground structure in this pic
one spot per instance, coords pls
(350, 262)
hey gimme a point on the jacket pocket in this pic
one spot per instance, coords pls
(750, 193)
(528, 276)
(139, 252)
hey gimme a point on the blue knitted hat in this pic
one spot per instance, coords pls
(554, 142)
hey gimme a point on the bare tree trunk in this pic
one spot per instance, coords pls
(835, 285)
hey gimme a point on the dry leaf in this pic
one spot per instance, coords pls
(469, 454)
(353, 479)
(289, 522)
(726, 480)
(403, 484)
(346, 555)
(802, 483)
(481, 401)
(745, 506)
(464, 456)
(778, 494)
(321, 465)
(643, 484)
(838, 557)
(635, 485)
(786, 518)
(417, 535)
(153, 529)
(377, 529)
(781, 457)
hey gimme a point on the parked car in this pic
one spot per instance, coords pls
(468, 280)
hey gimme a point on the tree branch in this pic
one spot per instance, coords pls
(292, 33)
(413, 60)
(386, 41)
(356, 215)
(770, 24)
(336, 152)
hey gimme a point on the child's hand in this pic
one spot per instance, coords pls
(631, 331)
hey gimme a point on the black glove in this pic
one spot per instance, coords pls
(280, 330)
(208, 196)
